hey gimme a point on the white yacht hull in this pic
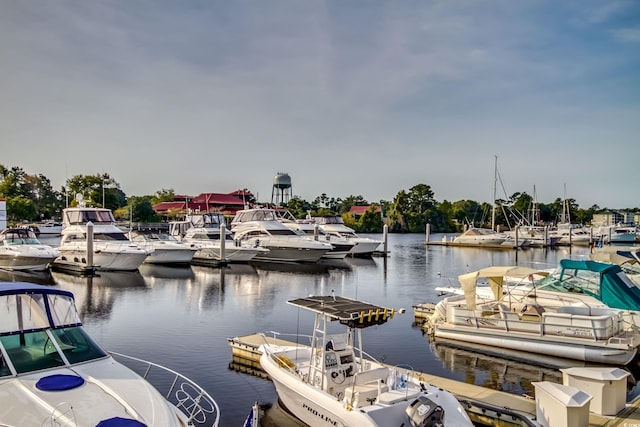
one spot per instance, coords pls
(363, 246)
(103, 259)
(290, 254)
(180, 255)
(17, 261)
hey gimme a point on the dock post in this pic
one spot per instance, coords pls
(517, 230)
(315, 231)
(428, 231)
(385, 235)
(547, 242)
(89, 244)
(223, 235)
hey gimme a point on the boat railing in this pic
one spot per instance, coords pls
(191, 399)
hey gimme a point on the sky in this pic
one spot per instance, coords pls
(348, 97)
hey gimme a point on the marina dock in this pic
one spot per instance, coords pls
(485, 406)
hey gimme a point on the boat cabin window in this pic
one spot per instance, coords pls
(283, 232)
(95, 216)
(20, 237)
(110, 237)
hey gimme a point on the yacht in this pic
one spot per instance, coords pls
(481, 237)
(333, 383)
(261, 227)
(50, 228)
(341, 246)
(569, 234)
(52, 373)
(334, 226)
(615, 234)
(162, 247)
(204, 232)
(20, 249)
(112, 250)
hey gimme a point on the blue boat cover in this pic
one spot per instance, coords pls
(120, 422)
(614, 292)
(59, 382)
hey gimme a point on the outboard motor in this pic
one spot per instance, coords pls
(424, 412)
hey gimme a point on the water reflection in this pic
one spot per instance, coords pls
(39, 277)
(96, 295)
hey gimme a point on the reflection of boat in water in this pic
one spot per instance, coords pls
(166, 271)
(293, 267)
(510, 370)
(43, 277)
(112, 279)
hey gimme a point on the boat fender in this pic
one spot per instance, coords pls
(424, 412)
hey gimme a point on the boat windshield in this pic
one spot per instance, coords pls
(110, 237)
(84, 216)
(582, 281)
(29, 321)
(20, 237)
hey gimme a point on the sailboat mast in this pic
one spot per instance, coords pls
(493, 202)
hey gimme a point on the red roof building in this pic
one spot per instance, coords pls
(360, 210)
(205, 202)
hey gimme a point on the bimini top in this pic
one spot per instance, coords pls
(350, 312)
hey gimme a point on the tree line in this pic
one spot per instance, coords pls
(32, 198)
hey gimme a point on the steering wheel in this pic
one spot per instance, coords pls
(338, 376)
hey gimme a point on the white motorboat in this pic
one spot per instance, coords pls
(162, 247)
(50, 228)
(52, 373)
(332, 383)
(341, 246)
(615, 234)
(261, 227)
(112, 250)
(20, 249)
(334, 226)
(480, 237)
(547, 320)
(205, 233)
(568, 234)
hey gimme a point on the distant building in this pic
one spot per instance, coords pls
(360, 210)
(612, 218)
(227, 204)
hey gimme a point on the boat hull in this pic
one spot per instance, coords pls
(170, 256)
(102, 259)
(316, 408)
(562, 347)
(22, 262)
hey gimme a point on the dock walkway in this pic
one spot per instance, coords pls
(484, 404)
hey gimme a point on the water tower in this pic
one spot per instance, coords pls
(281, 191)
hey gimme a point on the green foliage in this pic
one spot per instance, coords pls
(20, 208)
(18, 186)
(164, 195)
(95, 190)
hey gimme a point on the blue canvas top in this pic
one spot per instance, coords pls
(10, 288)
(615, 292)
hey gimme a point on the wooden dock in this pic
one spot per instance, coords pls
(485, 406)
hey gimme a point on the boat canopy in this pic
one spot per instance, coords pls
(496, 276)
(616, 289)
(29, 307)
(350, 312)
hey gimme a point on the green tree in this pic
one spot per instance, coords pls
(21, 208)
(370, 221)
(164, 195)
(95, 189)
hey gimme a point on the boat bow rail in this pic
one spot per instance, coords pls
(191, 399)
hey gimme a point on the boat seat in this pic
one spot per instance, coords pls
(366, 387)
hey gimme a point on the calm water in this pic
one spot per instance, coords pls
(182, 317)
